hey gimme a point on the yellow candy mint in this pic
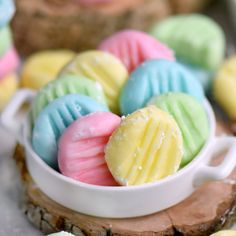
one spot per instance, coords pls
(224, 87)
(104, 68)
(43, 67)
(8, 86)
(146, 147)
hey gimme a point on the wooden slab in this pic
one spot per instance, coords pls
(209, 208)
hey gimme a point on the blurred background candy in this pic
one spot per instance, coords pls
(7, 10)
(8, 86)
(197, 40)
(9, 60)
(6, 39)
(194, 33)
(224, 88)
(42, 67)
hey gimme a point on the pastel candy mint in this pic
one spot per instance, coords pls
(81, 148)
(55, 118)
(9, 62)
(104, 68)
(205, 77)
(224, 87)
(42, 67)
(195, 38)
(7, 9)
(191, 119)
(5, 40)
(156, 77)
(146, 147)
(133, 47)
(8, 86)
(67, 85)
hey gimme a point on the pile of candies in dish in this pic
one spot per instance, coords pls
(131, 111)
(9, 60)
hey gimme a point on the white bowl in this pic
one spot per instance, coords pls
(123, 202)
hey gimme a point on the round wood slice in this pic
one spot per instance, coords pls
(210, 208)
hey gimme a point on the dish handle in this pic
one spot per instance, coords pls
(207, 173)
(8, 118)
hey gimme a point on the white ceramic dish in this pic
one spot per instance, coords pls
(122, 202)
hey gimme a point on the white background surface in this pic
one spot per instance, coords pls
(12, 220)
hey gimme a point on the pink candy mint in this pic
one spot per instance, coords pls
(8, 62)
(134, 47)
(81, 148)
